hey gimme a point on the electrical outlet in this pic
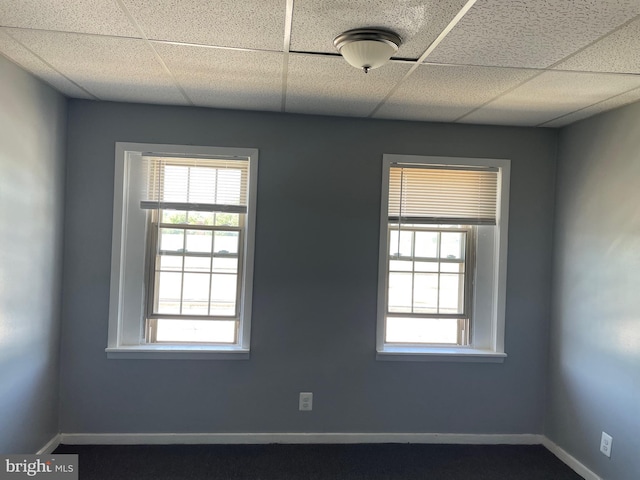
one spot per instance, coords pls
(605, 444)
(306, 401)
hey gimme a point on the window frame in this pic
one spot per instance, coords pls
(468, 260)
(153, 251)
(486, 343)
(130, 262)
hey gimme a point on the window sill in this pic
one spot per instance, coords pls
(439, 354)
(177, 352)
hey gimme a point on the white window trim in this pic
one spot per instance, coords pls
(126, 335)
(487, 333)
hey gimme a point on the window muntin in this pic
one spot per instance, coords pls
(429, 284)
(195, 260)
(195, 269)
(195, 275)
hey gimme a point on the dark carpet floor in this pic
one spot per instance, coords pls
(318, 462)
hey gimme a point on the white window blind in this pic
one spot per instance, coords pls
(428, 194)
(196, 184)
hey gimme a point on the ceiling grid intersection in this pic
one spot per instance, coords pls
(162, 63)
(501, 62)
(38, 57)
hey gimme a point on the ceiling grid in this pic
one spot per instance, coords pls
(35, 63)
(133, 21)
(427, 52)
(541, 63)
(554, 66)
(285, 49)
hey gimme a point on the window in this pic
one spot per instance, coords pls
(429, 288)
(442, 258)
(182, 258)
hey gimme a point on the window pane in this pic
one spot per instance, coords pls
(422, 330)
(197, 264)
(452, 267)
(400, 292)
(198, 241)
(196, 331)
(452, 245)
(223, 294)
(425, 293)
(169, 262)
(451, 293)
(169, 287)
(227, 219)
(401, 247)
(200, 218)
(195, 294)
(426, 266)
(427, 244)
(171, 239)
(226, 242)
(225, 265)
(400, 265)
(174, 216)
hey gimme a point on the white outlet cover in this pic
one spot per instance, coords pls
(306, 401)
(605, 444)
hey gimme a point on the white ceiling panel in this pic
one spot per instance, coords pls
(255, 24)
(617, 52)
(110, 68)
(330, 86)
(15, 52)
(486, 67)
(551, 95)
(533, 34)
(418, 22)
(221, 78)
(615, 102)
(80, 16)
(445, 93)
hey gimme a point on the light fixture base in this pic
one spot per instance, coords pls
(367, 48)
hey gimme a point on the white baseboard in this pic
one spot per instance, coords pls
(50, 446)
(299, 438)
(571, 461)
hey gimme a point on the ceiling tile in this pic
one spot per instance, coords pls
(444, 93)
(418, 22)
(533, 34)
(330, 86)
(255, 24)
(551, 95)
(81, 16)
(15, 52)
(222, 78)
(615, 102)
(110, 68)
(617, 52)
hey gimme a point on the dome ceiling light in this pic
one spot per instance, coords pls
(367, 48)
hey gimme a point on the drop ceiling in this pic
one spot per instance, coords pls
(502, 62)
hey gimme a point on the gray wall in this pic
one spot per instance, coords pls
(32, 142)
(595, 347)
(314, 287)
